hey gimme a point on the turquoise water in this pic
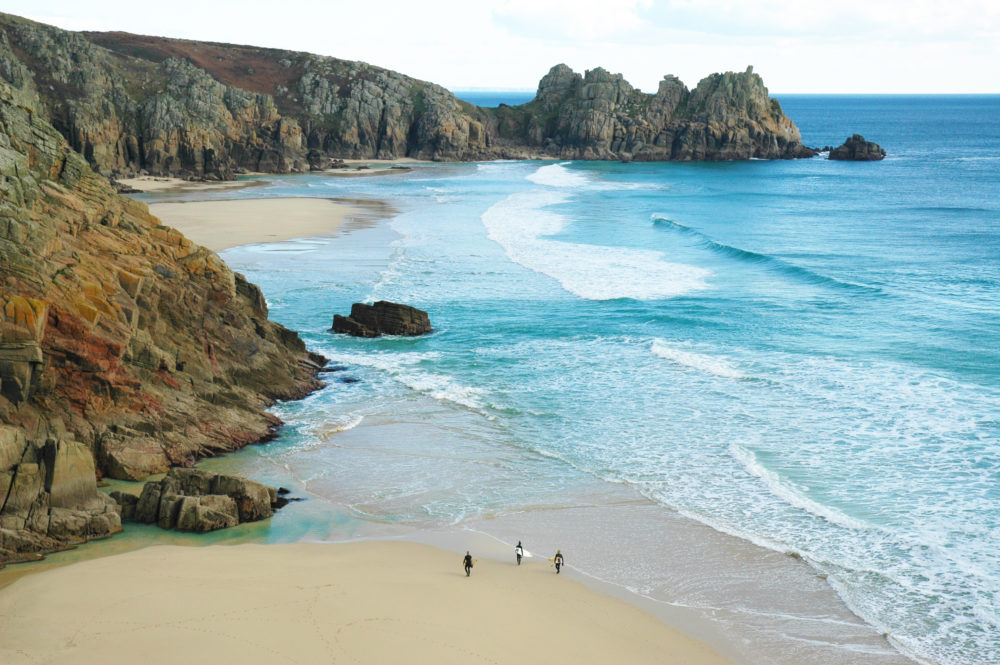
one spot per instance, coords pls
(804, 354)
(493, 99)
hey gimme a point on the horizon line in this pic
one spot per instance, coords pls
(480, 89)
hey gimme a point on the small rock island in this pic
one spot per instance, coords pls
(382, 318)
(857, 149)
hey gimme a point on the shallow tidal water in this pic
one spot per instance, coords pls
(764, 396)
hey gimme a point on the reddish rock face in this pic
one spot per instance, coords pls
(124, 347)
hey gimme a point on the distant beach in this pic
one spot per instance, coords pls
(220, 225)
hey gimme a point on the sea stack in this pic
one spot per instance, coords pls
(382, 318)
(857, 149)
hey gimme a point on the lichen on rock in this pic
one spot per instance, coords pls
(124, 347)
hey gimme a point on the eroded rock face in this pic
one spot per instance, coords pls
(166, 117)
(857, 149)
(133, 103)
(50, 497)
(382, 318)
(124, 347)
(599, 115)
(195, 500)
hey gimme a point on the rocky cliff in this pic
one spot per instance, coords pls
(124, 347)
(599, 115)
(132, 103)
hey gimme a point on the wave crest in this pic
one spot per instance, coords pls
(701, 362)
(765, 260)
(593, 272)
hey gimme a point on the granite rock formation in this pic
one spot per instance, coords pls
(131, 103)
(195, 500)
(857, 149)
(599, 115)
(382, 318)
(124, 348)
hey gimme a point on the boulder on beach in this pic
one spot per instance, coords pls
(857, 149)
(196, 500)
(382, 318)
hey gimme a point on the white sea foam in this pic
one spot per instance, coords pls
(560, 177)
(384, 360)
(442, 387)
(325, 429)
(711, 364)
(557, 175)
(790, 494)
(441, 195)
(594, 272)
(404, 368)
(495, 166)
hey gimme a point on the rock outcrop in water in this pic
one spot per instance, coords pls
(857, 149)
(131, 103)
(125, 349)
(382, 318)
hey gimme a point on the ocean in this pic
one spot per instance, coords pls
(763, 394)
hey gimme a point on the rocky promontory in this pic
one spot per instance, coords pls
(599, 115)
(125, 348)
(135, 104)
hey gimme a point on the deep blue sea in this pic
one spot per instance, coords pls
(794, 357)
(493, 99)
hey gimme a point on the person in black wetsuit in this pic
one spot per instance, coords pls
(558, 560)
(519, 552)
(467, 562)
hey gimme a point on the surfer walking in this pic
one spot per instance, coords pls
(558, 560)
(519, 552)
(467, 562)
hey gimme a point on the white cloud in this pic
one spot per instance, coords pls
(805, 46)
(571, 20)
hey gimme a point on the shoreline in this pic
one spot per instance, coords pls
(57, 577)
(165, 184)
(225, 224)
(149, 184)
(543, 522)
(481, 537)
(719, 586)
(372, 602)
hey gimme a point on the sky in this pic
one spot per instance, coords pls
(805, 46)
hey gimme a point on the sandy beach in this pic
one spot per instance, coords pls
(220, 225)
(365, 602)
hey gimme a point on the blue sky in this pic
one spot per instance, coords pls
(836, 46)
